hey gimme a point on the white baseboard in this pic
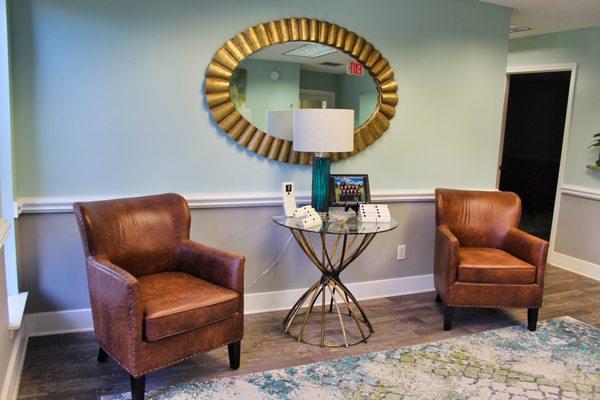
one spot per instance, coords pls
(10, 387)
(52, 323)
(575, 265)
(283, 300)
(57, 322)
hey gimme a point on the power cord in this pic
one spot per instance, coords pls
(273, 263)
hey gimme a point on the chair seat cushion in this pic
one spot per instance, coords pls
(176, 302)
(487, 265)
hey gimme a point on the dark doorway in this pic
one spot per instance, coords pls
(533, 137)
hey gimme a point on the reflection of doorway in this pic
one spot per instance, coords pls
(533, 142)
(367, 104)
(313, 98)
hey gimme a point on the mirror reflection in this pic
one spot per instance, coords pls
(269, 84)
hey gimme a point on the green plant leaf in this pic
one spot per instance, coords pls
(597, 134)
(597, 144)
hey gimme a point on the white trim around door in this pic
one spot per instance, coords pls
(4, 230)
(571, 67)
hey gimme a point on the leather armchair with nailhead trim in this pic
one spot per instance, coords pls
(481, 257)
(157, 297)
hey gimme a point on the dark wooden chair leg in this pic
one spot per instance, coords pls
(234, 350)
(448, 315)
(102, 355)
(438, 299)
(532, 317)
(138, 387)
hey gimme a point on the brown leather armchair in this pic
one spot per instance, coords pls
(157, 297)
(481, 258)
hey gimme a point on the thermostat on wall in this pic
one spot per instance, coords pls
(275, 75)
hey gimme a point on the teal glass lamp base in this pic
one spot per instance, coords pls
(320, 182)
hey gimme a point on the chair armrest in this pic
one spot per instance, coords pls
(212, 264)
(445, 259)
(117, 309)
(528, 248)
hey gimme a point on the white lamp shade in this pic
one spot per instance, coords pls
(320, 130)
(279, 124)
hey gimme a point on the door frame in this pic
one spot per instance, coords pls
(320, 92)
(532, 69)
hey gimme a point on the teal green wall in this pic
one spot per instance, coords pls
(108, 95)
(350, 89)
(583, 47)
(315, 80)
(353, 92)
(264, 94)
(367, 102)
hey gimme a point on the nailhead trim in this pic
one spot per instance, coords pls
(107, 270)
(82, 225)
(132, 328)
(131, 313)
(169, 363)
(186, 357)
(166, 364)
(132, 324)
(450, 245)
(115, 358)
(131, 308)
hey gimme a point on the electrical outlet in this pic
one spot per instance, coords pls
(401, 255)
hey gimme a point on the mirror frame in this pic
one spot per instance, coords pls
(242, 45)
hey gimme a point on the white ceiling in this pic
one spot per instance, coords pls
(545, 16)
(277, 53)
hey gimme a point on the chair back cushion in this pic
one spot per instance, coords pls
(477, 218)
(139, 234)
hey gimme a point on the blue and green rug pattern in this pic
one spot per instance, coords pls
(559, 361)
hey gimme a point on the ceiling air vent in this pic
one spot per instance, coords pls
(330, 64)
(517, 28)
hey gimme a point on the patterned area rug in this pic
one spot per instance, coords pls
(559, 361)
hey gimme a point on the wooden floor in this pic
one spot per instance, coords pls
(64, 366)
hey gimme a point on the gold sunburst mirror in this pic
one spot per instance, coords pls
(259, 75)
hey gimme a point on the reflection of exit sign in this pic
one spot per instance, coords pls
(355, 68)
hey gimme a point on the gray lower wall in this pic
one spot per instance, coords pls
(578, 228)
(52, 268)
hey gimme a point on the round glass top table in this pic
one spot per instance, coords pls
(338, 245)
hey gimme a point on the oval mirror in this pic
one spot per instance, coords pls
(263, 73)
(267, 85)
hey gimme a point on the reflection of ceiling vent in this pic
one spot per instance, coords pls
(311, 50)
(518, 28)
(330, 64)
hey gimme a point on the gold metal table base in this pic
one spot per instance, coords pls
(329, 292)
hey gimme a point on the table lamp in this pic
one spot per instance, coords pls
(322, 131)
(279, 124)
